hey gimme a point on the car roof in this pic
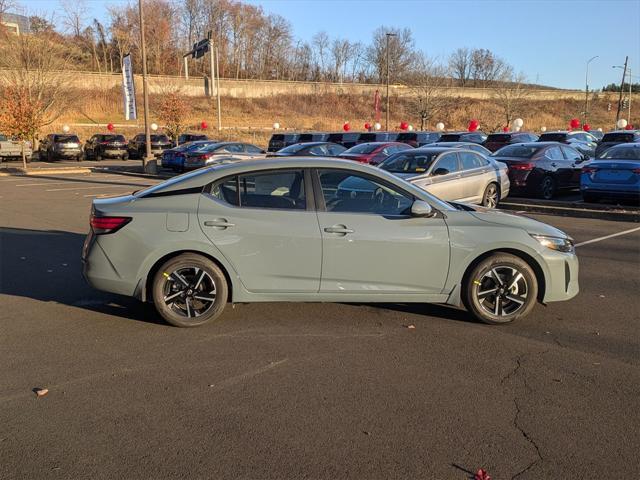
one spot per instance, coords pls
(452, 144)
(627, 145)
(312, 144)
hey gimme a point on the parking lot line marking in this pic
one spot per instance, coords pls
(102, 194)
(129, 187)
(599, 239)
(46, 183)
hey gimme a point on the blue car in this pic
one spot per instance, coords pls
(614, 174)
(171, 158)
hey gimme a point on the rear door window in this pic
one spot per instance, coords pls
(447, 164)
(471, 160)
(554, 153)
(571, 154)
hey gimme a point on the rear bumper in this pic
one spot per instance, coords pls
(611, 189)
(99, 272)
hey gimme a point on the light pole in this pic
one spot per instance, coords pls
(631, 77)
(388, 34)
(586, 89)
(147, 164)
(624, 74)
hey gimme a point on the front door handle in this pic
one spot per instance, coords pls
(220, 223)
(554, 164)
(340, 229)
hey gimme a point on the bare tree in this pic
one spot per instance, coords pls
(486, 67)
(429, 95)
(401, 52)
(74, 15)
(341, 53)
(460, 65)
(510, 93)
(321, 43)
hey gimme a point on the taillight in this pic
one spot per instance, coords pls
(521, 166)
(103, 225)
(204, 157)
(589, 170)
(636, 170)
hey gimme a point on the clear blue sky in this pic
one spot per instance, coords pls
(550, 41)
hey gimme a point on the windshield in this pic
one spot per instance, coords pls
(622, 153)
(362, 148)
(618, 137)
(450, 137)
(67, 139)
(520, 151)
(499, 137)
(552, 137)
(296, 147)
(413, 162)
(114, 138)
(159, 138)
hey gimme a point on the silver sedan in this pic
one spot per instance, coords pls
(453, 174)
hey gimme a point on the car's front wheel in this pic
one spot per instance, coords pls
(500, 289)
(189, 290)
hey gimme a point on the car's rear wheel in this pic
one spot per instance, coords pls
(500, 289)
(189, 290)
(491, 196)
(547, 189)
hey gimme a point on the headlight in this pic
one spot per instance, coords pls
(556, 243)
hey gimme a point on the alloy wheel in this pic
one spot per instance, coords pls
(189, 291)
(502, 291)
(491, 196)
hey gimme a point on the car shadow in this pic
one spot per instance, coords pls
(446, 312)
(45, 265)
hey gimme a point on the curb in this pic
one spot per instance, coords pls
(582, 210)
(47, 171)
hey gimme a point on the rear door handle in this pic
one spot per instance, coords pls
(554, 164)
(220, 223)
(340, 229)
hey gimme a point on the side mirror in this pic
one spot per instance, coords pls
(440, 171)
(420, 208)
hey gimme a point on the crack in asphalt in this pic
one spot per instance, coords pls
(514, 371)
(528, 439)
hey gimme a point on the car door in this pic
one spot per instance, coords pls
(444, 178)
(265, 225)
(575, 159)
(370, 242)
(558, 165)
(476, 174)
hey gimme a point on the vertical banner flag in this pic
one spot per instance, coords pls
(376, 105)
(128, 89)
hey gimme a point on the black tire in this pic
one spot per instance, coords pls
(97, 157)
(49, 156)
(167, 282)
(79, 158)
(547, 188)
(481, 279)
(491, 196)
(125, 157)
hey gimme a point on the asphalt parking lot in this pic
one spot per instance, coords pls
(318, 391)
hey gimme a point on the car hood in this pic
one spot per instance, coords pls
(500, 217)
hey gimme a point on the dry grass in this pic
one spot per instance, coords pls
(251, 119)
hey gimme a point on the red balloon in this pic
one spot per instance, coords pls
(473, 125)
(586, 127)
(367, 126)
(575, 123)
(404, 125)
(110, 127)
(346, 127)
(505, 129)
(629, 127)
(204, 125)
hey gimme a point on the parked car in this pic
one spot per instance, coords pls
(541, 168)
(137, 146)
(219, 152)
(615, 174)
(12, 149)
(495, 141)
(307, 137)
(476, 147)
(617, 137)
(418, 139)
(191, 137)
(280, 230)
(368, 137)
(581, 141)
(473, 137)
(107, 145)
(597, 134)
(346, 139)
(451, 174)
(173, 159)
(56, 146)
(280, 140)
(374, 152)
(312, 149)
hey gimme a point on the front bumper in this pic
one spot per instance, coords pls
(561, 277)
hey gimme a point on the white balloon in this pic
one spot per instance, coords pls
(377, 126)
(66, 129)
(516, 129)
(518, 122)
(600, 129)
(276, 126)
(154, 127)
(622, 123)
(543, 129)
(410, 128)
(440, 126)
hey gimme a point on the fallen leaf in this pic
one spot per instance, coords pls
(411, 327)
(601, 296)
(41, 392)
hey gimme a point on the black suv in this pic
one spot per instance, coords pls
(138, 145)
(418, 139)
(280, 140)
(60, 145)
(191, 137)
(106, 146)
(616, 138)
(495, 141)
(346, 139)
(473, 137)
(584, 142)
(370, 137)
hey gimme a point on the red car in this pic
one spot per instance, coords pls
(373, 152)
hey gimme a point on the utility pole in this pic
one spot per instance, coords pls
(218, 89)
(386, 127)
(630, 84)
(147, 163)
(624, 74)
(586, 90)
